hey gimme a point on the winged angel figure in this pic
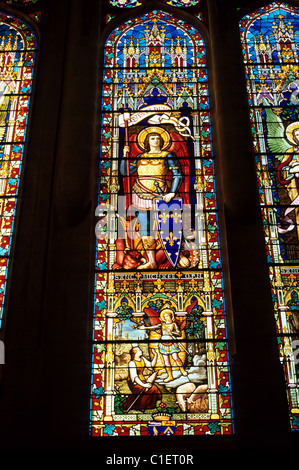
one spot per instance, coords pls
(170, 335)
(155, 164)
(284, 145)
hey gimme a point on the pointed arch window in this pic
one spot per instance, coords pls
(270, 43)
(17, 57)
(159, 321)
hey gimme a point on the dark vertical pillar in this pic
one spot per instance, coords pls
(69, 283)
(260, 409)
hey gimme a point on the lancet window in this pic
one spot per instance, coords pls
(17, 56)
(160, 359)
(270, 43)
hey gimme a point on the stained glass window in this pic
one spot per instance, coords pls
(270, 46)
(160, 361)
(17, 55)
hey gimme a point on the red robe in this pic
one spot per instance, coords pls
(148, 396)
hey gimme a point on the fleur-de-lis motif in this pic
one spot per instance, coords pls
(176, 216)
(171, 239)
(164, 216)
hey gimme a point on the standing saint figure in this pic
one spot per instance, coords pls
(155, 172)
(145, 393)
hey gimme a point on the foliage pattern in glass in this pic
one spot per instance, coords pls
(270, 46)
(160, 361)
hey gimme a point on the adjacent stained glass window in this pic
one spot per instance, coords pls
(270, 46)
(17, 55)
(160, 360)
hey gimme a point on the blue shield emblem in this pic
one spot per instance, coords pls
(154, 428)
(168, 428)
(169, 218)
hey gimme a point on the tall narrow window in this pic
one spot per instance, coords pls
(160, 362)
(271, 45)
(17, 55)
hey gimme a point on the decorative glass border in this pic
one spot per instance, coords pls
(138, 90)
(17, 58)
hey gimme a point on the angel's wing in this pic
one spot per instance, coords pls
(179, 148)
(191, 306)
(276, 140)
(153, 316)
(135, 150)
(182, 325)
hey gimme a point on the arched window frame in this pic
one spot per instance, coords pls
(98, 396)
(29, 31)
(275, 203)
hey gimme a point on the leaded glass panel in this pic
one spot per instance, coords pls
(270, 43)
(17, 55)
(160, 363)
